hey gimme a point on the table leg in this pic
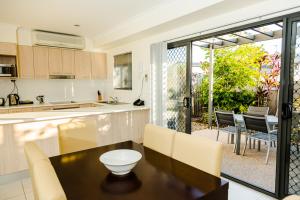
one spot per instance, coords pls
(238, 141)
(258, 145)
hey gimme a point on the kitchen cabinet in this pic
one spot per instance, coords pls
(83, 65)
(41, 62)
(99, 66)
(55, 61)
(68, 62)
(25, 58)
(8, 49)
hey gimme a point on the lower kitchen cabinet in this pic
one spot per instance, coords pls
(111, 128)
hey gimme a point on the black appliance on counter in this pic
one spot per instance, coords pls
(2, 101)
(13, 99)
(8, 70)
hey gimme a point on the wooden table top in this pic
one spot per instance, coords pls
(156, 177)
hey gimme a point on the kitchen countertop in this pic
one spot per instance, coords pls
(100, 108)
(45, 105)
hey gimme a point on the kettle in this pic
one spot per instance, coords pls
(2, 101)
(13, 99)
(40, 99)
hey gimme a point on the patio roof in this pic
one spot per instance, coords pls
(268, 32)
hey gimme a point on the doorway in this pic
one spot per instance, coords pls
(234, 72)
(264, 62)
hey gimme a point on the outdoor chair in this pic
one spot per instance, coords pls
(254, 110)
(258, 129)
(225, 122)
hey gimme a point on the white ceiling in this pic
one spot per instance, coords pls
(110, 21)
(94, 16)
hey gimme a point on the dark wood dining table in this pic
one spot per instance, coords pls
(155, 177)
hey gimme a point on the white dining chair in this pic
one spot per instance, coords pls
(47, 185)
(292, 197)
(76, 136)
(34, 155)
(199, 152)
(159, 139)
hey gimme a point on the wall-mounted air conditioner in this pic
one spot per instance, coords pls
(44, 38)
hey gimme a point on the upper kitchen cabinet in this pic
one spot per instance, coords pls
(41, 62)
(99, 66)
(25, 58)
(55, 61)
(68, 62)
(83, 65)
(8, 49)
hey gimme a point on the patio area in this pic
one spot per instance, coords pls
(250, 168)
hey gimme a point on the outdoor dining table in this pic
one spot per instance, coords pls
(271, 119)
(155, 177)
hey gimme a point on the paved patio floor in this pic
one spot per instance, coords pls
(251, 167)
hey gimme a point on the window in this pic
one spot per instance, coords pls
(123, 71)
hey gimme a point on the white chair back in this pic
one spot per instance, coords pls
(292, 197)
(199, 152)
(159, 139)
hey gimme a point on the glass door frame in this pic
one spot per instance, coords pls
(286, 99)
(188, 93)
(282, 165)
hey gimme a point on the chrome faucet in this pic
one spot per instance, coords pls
(115, 100)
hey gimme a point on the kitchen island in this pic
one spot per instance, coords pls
(115, 123)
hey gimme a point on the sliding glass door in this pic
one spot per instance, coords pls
(177, 89)
(291, 108)
(275, 41)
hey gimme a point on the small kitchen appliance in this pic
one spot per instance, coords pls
(40, 99)
(13, 99)
(2, 101)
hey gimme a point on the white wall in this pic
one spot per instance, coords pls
(141, 47)
(140, 67)
(54, 90)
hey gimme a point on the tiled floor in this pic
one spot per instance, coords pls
(240, 192)
(18, 190)
(22, 190)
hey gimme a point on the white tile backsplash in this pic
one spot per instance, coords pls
(56, 90)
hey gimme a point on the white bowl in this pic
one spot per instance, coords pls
(121, 161)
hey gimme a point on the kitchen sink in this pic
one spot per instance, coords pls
(112, 102)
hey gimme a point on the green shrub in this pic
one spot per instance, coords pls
(236, 75)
